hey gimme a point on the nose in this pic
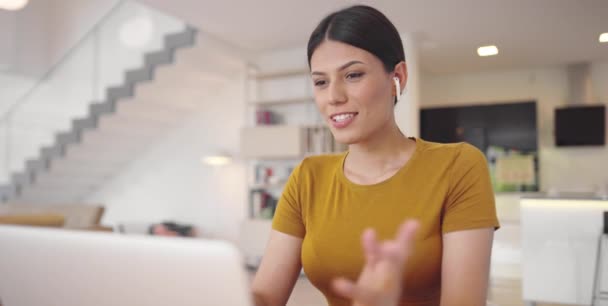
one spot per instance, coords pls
(337, 93)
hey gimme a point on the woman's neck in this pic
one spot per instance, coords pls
(387, 149)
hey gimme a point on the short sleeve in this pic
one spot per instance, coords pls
(470, 201)
(288, 217)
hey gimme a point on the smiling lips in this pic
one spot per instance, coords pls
(341, 120)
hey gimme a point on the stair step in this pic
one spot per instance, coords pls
(140, 75)
(89, 123)
(52, 152)
(182, 39)
(119, 92)
(103, 108)
(23, 178)
(37, 165)
(158, 58)
(67, 138)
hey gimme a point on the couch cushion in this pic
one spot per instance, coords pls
(48, 220)
(76, 215)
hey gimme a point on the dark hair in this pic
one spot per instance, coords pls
(363, 27)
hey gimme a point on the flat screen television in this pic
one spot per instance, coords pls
(505, 132)
(508, 125)
(580, 126)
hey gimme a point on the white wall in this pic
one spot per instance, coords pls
(12, 86)
(46, 30)
(36, 37)
(169, 181)
(8, 23)
(33, 35)
(568, 169)
(599, 78)
(71, 19)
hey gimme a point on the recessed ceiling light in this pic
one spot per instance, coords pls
(604, 37)
(487, 51)
(13, 5)
(217, 160)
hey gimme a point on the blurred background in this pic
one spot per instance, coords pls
(185, 118)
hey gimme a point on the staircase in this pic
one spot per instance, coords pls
(153, 99)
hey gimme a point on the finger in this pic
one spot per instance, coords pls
(343, 287)
(351, 291)
(405, 237)
(371, 246)
(407, 231)
(398, 250)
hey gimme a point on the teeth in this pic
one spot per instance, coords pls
(342, 117)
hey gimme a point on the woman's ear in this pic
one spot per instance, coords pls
(401, 73)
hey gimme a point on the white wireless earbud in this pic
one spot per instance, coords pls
(398, 88)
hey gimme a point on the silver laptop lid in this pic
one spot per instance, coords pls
(57, 267)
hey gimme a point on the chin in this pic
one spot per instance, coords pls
(346, 138)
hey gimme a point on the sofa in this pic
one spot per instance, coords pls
(69, 216)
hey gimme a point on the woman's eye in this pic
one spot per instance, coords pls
(320, 83)
(354, 75)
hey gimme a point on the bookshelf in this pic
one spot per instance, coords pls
(283, 127)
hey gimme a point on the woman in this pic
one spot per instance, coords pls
(358, 71)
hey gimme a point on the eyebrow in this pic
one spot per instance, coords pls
(339, 69)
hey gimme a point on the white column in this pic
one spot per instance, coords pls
(407, 112)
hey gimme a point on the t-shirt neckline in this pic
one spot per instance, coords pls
(344, 179)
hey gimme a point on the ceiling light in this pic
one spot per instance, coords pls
(217, 160)
(13, 5)
(487, 51)
(604, 37)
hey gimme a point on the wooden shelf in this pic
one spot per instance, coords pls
(286, 142)
(284, 101)
(272, 142)
(279, 74)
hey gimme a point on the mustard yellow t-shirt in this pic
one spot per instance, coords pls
(445, 186)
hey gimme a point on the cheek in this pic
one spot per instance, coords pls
(320, 100)
(373, 96)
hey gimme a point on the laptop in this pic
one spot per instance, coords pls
(55, 267)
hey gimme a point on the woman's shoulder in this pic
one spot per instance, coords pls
(454, 152)
(458, 159)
